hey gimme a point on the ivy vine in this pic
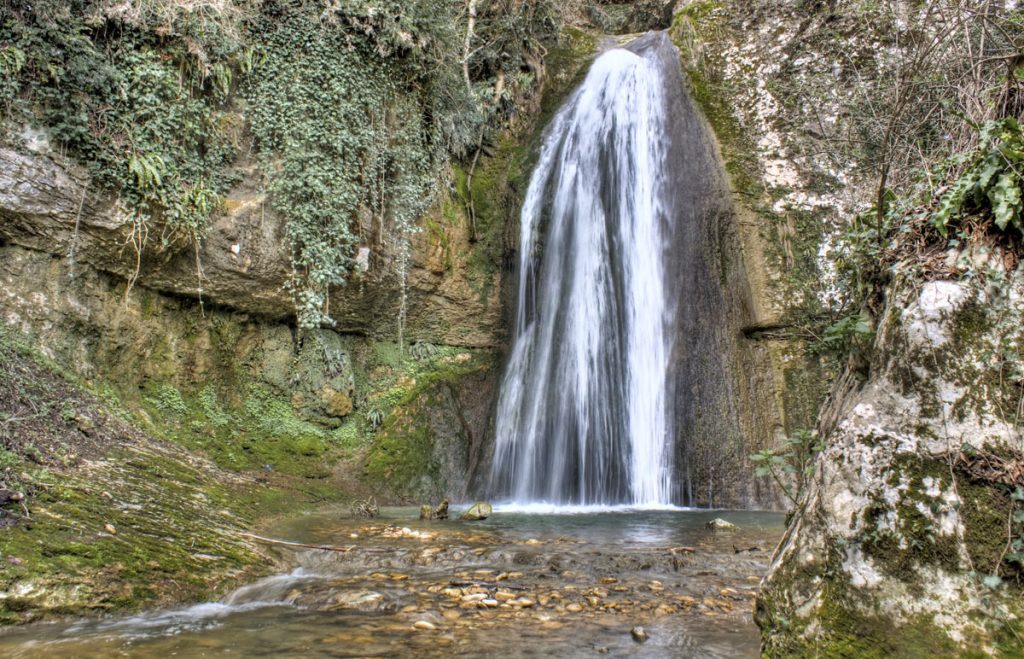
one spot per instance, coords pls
(347, 110)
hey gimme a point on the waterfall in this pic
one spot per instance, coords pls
(583, 411)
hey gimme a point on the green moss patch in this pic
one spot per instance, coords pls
(846, 623)
(401, 461)
(115, 520)
(262, 434)
(913, 542)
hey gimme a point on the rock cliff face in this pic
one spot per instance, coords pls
(157, 335)
(913, 500)
(215, 322)
(243, 262)
(768, 264)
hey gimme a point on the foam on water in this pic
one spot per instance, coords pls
(545, 508)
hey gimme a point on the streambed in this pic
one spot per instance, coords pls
(522, 583)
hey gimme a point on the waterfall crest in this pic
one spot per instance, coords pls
(582, 413)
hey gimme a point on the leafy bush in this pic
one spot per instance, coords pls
(423, 351)
(991, 177)
(848, 336)
(169, 400)
(792, 466)
(375, 417)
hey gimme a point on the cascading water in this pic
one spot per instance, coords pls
(582, 414)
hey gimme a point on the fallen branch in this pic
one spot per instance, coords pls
(303, 545)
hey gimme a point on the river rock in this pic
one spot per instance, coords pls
(639, 634)
(478, 511)
(719, 524)
(352, 600)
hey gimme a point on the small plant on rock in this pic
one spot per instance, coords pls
(991, 175)
(422, 351)
(375, 417)
(792, 465)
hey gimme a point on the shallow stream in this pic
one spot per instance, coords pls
(526, 583)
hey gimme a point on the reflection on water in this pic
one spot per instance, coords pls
(519, 584)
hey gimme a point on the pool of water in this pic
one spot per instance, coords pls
(521, 583)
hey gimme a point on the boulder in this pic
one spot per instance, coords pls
(719, 524)
(337, 403)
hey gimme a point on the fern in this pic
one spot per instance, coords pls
(147, 169)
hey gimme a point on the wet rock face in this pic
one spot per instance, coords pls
(478, 511)
(909, 494)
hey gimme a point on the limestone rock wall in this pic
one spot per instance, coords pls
(911, 506)
(218, 313)
(243, 263)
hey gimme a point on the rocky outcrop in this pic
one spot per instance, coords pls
(47, 205)
(243, 262)
(766, 269)
(433, 446)
(910, 518)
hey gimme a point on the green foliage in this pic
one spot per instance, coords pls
(211, 407)
(850, 335)
(791, 466)
(375, 417)
(275, 417)
(130, 94)
(355, 112)
(1016, 555)
(358, 109)
(422, 350)
(168, 399)
(8, 459)
(991, 177)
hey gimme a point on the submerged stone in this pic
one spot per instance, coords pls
(478, 511)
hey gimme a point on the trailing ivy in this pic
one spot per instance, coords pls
(356, 106)
(345, 130)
